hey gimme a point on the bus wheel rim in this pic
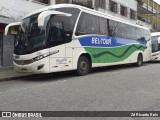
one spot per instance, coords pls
(83, 66)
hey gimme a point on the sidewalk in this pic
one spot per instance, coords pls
(10, 74)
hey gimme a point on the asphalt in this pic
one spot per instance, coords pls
(10, 74)
(114, 88)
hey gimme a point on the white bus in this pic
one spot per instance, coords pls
(155, 40)
(71, 37)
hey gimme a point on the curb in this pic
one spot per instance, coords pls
(16, 78)
(24, 77)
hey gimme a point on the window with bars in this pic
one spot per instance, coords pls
(132, 14)
(100, 4)
(113, 6)
(86, 3)
(42, 1)
(123, 11)
(62, 1)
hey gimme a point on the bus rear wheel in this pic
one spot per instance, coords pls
(139, 60)
(83, 66)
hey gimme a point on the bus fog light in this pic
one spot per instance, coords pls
(40, 67)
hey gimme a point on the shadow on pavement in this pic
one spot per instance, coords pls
(154, 62)
(70, 74)
(50, 76)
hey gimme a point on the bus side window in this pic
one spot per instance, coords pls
(69, 22)
(56, 34)
(61, 30)
(115, 29)
(120, 30)
(88, 24)
(140, 34)
(147, 35)
(103, 26)
(81, 26)
(111, 28)
(131, 32)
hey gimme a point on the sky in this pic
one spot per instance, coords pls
(158, 1)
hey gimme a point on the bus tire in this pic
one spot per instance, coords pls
(83, 66)
(139, 60)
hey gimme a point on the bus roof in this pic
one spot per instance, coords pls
(53, 7)
(84, 9)
(155, 34)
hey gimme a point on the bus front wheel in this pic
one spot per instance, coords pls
(139, 60)
(83, 66)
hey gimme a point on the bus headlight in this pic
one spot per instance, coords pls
(23, 62)
(26, 62)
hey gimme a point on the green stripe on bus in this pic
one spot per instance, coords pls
(117, 54)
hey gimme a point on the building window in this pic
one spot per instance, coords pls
(42, 1)
(100, 4)
(62, 1)
(132, 14)
(86, 3)
(113, 7)
(97, 3)
(123, 11)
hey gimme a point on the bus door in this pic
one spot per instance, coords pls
(57, 38)
(57, 46)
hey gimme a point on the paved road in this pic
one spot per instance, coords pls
(118, 88)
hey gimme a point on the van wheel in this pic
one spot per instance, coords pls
(83, 66)
(139, 60)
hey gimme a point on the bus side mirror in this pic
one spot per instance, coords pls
(12, 29)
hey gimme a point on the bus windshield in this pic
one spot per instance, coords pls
(30, 37)
(155, 45)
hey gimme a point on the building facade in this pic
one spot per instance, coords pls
(149, 14)
(125, 9)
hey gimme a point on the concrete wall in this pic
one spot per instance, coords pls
(7, 52)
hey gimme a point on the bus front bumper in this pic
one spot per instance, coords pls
(35, 68)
